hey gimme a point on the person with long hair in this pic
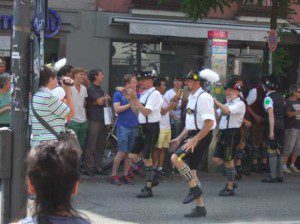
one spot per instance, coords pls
(53, 177)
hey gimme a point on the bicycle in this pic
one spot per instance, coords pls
(111, 147)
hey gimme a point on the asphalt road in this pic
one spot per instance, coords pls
(254, 202)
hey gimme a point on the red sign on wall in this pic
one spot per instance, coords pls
(272, 40)
(217, 34)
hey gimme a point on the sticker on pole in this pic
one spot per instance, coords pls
(272, 40)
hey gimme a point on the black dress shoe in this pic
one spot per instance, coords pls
(269, 180)
(194, 193)
(226, 192)
(226, 186)
(196, 212)
(146, 192)
(280, 179)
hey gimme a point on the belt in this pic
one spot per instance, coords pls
(150, 124)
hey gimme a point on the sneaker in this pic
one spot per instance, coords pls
(114, 180)
(286, 170)
(226, 192)
(101, 172)
(294, 169)
(146, 192)
(138, 171)
(89, 173)
(130, 173)
(158, 173)
(126, 180)
(196, 212)
(194, 193)
(269, 180)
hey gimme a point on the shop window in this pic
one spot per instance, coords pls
(52, 50)
(169, 58)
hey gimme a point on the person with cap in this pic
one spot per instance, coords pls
(196, 137)
(274, 105)
(231, 114)
(149, 115)
(2, 66)
(5, 99)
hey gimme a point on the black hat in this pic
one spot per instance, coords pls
(232, 84)
(193, 76)
(271, 82)
(147, 75)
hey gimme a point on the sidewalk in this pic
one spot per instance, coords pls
(255, 202)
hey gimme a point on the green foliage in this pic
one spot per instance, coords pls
(198, 9)
(281, 61)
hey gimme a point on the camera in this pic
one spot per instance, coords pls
(64, 82)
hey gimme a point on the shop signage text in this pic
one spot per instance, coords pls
(53, 23)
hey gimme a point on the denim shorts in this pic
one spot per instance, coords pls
(126, 137)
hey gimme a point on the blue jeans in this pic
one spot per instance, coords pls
(126, 137)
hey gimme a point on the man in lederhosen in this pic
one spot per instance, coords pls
(149, 116)
(200, 122)
(231, 114)
(274, 105)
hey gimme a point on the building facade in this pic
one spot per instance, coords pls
(125, 36)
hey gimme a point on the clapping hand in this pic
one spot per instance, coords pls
(131, 94)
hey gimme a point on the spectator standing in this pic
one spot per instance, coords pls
(175, 114)
(164, 138)
(5, 99)
(127, 130)
(49, 107)
(292, 129)
(96, 101)
(52, 175)
(2, 66)
(79, 95)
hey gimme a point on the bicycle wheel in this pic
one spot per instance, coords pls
(110, 151)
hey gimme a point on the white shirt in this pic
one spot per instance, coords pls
(169, 95)
(165, 119)
(79, 103)
(252, 96)
(154, 104)
(59, 92)
(237, 111)
(205, 110)
(268, 102)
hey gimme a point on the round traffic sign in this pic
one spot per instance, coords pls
(272, 40)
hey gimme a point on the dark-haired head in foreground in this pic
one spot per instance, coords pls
(52, 175)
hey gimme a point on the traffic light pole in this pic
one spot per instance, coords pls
(20, 104)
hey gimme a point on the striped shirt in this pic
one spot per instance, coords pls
(52, 110)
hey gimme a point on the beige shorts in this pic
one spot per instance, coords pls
(292, 142)
(164, 138)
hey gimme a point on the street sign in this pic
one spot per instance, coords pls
(272, 40)
(39, 20)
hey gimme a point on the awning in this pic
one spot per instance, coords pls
(179, 28)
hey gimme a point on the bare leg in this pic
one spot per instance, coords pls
(119, 157)
(126, 164)
(161, 157)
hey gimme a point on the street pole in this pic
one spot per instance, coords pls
(20, 103)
